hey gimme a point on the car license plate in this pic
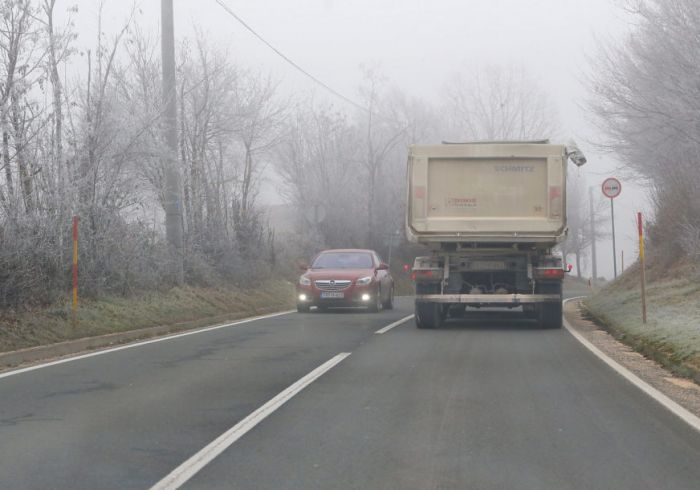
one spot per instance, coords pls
(332, 294)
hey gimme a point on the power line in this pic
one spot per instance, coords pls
(290, 61)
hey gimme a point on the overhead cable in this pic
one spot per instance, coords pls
(290, 61)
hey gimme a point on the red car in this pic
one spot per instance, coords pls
(346, 277)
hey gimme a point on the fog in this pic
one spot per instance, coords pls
(417, 45)
(404, 58)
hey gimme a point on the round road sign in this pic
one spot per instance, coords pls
(611, 187)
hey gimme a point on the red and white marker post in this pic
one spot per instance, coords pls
(640, 229)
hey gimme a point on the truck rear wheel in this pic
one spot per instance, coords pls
(428, 315)
(551, 315)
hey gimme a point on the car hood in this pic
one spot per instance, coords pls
(351, 274)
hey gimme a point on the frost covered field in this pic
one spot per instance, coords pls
(672, 333)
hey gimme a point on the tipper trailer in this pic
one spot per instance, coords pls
(491, 213)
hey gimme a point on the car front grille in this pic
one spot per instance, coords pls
(332, 285)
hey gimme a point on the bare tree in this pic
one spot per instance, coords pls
(383, 134)
(261, 127)
(93, 147)
(58, 49)
(647, 100)
(317, 162)
(21, 57)
(578, 217)
(345, 174)
(497, 104)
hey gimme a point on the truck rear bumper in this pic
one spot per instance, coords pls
(488, 299)
(431, 238)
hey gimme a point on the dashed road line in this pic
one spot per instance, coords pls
(395, 324)
(192, 466)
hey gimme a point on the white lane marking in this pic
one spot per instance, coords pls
(191, 467)
(395, 324)
(679, 411)
(139, 344)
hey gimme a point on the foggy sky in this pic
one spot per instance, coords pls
(417, 44)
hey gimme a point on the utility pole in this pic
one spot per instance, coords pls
(594, 261)
(173, 197)
(622, 267)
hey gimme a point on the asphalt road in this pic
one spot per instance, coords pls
(491, 402)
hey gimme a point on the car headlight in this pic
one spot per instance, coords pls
(363, 281)
(304, 281)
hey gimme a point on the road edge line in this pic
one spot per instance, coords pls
(184, 472)
(664, 400)
(392, 325)
(140, 343)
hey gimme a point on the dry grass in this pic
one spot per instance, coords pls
(185, 307)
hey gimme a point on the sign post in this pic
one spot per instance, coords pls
(392, 240)
(640, 228)
(74, 305)
(316, 213)
(612, 189)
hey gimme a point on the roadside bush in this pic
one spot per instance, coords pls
(31, 265)
(94, 147)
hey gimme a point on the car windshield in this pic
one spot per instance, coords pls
(343, 260)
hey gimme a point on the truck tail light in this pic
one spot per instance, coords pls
(427, 275)
(549, 273)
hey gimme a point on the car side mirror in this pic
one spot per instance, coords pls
(303, 266)
(383, 267)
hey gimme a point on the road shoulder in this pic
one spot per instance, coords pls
(46, 333)
(51, 353)
(681, 390)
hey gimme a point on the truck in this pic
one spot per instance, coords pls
(491, 215)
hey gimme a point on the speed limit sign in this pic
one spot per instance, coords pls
(611, 188)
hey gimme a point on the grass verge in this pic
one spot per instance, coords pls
(181, 308)
(671, 335)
